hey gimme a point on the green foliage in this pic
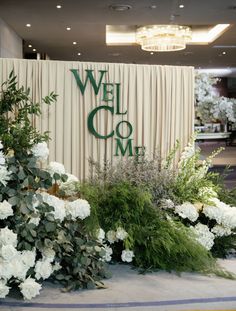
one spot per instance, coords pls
(16, 109)
(223, 246)
(157, 243)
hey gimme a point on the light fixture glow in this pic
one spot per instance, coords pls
(224, 53)
(59, 6)
(28, 25)
(151, 53)
(29, 46)
(34, 50)
(181, 6)
(79, 54)
(163, 38)
(68, 28)
(74, 42)
(205, 37)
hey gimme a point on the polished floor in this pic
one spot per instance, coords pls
(129, 290)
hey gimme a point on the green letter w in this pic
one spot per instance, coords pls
(88, 77)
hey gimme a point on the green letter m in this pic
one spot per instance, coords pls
(88, 77)
(119, 146)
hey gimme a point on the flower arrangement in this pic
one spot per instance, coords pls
(210, 106)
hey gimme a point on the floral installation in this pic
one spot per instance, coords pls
(210, 106)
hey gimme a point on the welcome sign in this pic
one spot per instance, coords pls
(108, 111)
(110, 94)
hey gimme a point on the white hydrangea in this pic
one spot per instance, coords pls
(108, 252)
(100, 235)
(1, 145)
(78, 209)
(56, 167)
(58, 205)
(41, 151)
(48, 254)
(7, 237)
(4, 175)
(111, 236)
(28, 258)
(30, 288)
(187, 210)
(56, 267)
(222, 213)
(2, 158)
(220, 231)
(43, 269)
(204, 236)
(8, 252)
(5, 210)
(18, 268)
(5, 270)
(127, 255)
(121, 234)
(4, 289)
(70, 186)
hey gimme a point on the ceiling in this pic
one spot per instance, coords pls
(88, 20)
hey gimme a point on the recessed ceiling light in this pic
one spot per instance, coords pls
(151, 53)
(68, 28)
(224, 53)
(79, 54)
(34, 50)
(74, 42)
(181, 6)
(28, 25)
(58, 6)
(120, 7)
(29, 46)
(152, 7)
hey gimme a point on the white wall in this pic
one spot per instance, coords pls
(10, 42)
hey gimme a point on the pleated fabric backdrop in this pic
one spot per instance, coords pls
(159, 101)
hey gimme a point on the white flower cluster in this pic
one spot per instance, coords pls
(203, 235)
(5, 210)
(114, 236)
(108, 253)
(15, 264)
(56, 167)
(127, 255)
(100, 235)
(78, 209)
(41, 151)
(223, 214)
(70, 186)
(4, 173)
(58, 205)
(187, 210)
(167, 204)
(223, 109)
(220, 231)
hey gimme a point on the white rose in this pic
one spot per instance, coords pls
(127, 255)
(121, 234)
(4, 175)
(8, 237)
(43, 269)
(4, 289)
(29, 288)
(111, 236)
(41, 151)
(18, 268)
(8, 252)
(108, 253)
(5, 210)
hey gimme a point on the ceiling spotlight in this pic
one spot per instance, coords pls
(224, 53)
(79, 54)
(151, 53)
(120, 7)
(181, 6)
(28, 25)
(74, 42)
(29, 46)
(59, 6)
(34, 50)
(68, 28)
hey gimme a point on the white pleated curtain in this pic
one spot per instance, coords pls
(159, 100)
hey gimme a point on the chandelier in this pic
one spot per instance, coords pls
(163, 38)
